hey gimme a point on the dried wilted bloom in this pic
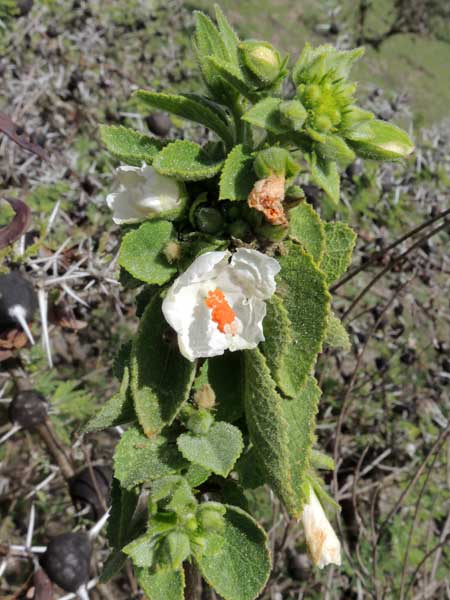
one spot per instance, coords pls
(267, 196)
(323, 544)
(205, 397)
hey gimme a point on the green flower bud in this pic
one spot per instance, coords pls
(379, 140)
(353, 115)
(293, 114)
(230, 210)
(210, 518)
(198, 544)
(173, 550)
(200, 421)
(323, 123)
(190, 523)
(275, 161)
(208, 219)
(252, 216)
(260, 61)
(239, 229)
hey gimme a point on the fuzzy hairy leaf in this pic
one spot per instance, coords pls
(281, 431)
(238, 177)
(161, 378)
(303, 289)
(228, 35)
(278, 334)
(231, 75)
(325, 174)
(141, 459)
(123, 505)
(336, 334)
(217, 372)
(117, 410)
(306, 226)
(141, 252)
(266, 114)
(186, 161)
(128, 145)
(161, 585)
(188, 107)
(240, 569)
(217, 450)
(340, 240)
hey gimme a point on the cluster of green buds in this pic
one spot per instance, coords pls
(336, 128)
(178, 526)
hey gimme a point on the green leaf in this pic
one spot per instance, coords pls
(336, 335)
(117, 410)
(186, 161)
(233, 76)
(303, 289)
(325, 174)
(161, 378)
(228, 35)
(266, 114)
(123, 505)
(217, 450)
(239, 571)
(278, 335)
(141, 252)
(209, 43)
(378, 140)
(113, 564)
(306, 226)
(161, 585)
(142, 549)
(238, 177)
(141, 459)
(340, 240)
(128, 145)
(188, 107)
(217, 372)
(281, 431)
(334, 148)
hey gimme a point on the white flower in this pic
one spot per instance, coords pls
(143, 193)
(323, 544)
(218, 304)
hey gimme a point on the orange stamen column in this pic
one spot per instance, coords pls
(221, 311)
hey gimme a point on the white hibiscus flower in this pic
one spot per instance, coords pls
(143, 193)
(218, 304)
(323, 544)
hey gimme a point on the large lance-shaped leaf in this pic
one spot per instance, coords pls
(303, 289)
(186, 161)
(128, 145)
(306, 226)
(161, 585)
(161, 378)
(189, 107)
(339, 243)
(239, 571)
(139, 459)
(281, 431)
(141, 252)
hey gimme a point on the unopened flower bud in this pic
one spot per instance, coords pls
(205, 397)
(172, 251)
(239, 229)
(210, 517)
(208, 219)
(379, 140)
(293, 114)
(261, 62)
(200, 421)
(323, 544)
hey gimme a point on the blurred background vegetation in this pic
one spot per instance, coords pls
(67, 66)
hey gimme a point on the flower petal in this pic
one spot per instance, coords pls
(255, 272)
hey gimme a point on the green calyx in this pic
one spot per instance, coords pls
(261, 62)
(275, 161)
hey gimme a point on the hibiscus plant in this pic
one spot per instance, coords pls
(233, 267)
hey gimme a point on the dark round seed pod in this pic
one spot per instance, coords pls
(28, 408)
(17, 296)
(159, 124)
(83, 490)
(67, 560)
